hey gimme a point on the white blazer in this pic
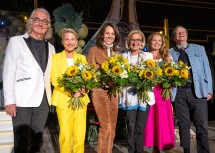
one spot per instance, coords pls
(23, 79)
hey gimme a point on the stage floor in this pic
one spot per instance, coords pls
(51, 141)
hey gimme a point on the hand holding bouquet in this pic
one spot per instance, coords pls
(77, 80)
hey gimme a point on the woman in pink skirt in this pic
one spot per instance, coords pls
(159, 130)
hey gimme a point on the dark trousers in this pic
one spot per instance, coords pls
(136, 122)
(28, 127)
(186, 103)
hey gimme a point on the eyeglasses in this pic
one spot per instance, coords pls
(135, 40)
(182, 32)
(37, 20)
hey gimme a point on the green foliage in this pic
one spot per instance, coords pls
(66, 17)
(114, 73)
(78, 78)
(174, 74)
(145, 75)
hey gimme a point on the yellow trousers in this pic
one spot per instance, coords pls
(72, 129)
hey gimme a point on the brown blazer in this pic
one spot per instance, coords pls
(97, 56)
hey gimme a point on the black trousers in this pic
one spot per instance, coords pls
(186, 104)
(28, 127)
(136, 122)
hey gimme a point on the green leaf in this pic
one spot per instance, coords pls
(166, 85)
(139, 85)
(66, 17)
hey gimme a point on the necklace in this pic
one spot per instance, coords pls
(133, 60)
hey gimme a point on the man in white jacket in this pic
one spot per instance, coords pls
(26, 81)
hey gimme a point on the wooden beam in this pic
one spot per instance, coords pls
(35, 4)
(166, 32)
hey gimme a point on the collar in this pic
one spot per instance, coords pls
(177, 47)
(108, 46)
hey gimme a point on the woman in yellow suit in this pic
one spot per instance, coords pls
(72, 123)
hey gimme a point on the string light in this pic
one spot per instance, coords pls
(2, 23)
(25, 18)
(145, 49)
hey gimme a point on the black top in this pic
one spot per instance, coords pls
(184, 58)
(39, 49)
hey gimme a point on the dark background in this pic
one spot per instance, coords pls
(197, 16)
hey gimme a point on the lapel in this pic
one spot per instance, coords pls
(34, 53)
(63, 59)
(76, 56)
(103, 52)
(31, 48)
(47, 54)
(64, 65)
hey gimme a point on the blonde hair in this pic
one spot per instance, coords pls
(69, 30)
(127, 42)
(28, 24)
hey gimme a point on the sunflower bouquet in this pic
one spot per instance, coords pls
(114, 73)
(145, 75)
(78, 78)
(174, 74)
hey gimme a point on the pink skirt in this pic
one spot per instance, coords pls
(159, 130)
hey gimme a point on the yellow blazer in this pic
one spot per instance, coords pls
(59, 66)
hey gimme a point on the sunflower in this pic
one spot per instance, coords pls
(181, 63)
(148, 74)
(165, 65)
(86, 75)
(125, 61)
(117, 70)
(184, 73)
(112, 60)
(134, 68)
(72, 71)
(118, 63)
(141, 73)
(169, 71)
(105, 65)
(159, 71)
(176, 72)
(150, 63)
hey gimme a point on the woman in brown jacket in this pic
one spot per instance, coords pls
(106, 107)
